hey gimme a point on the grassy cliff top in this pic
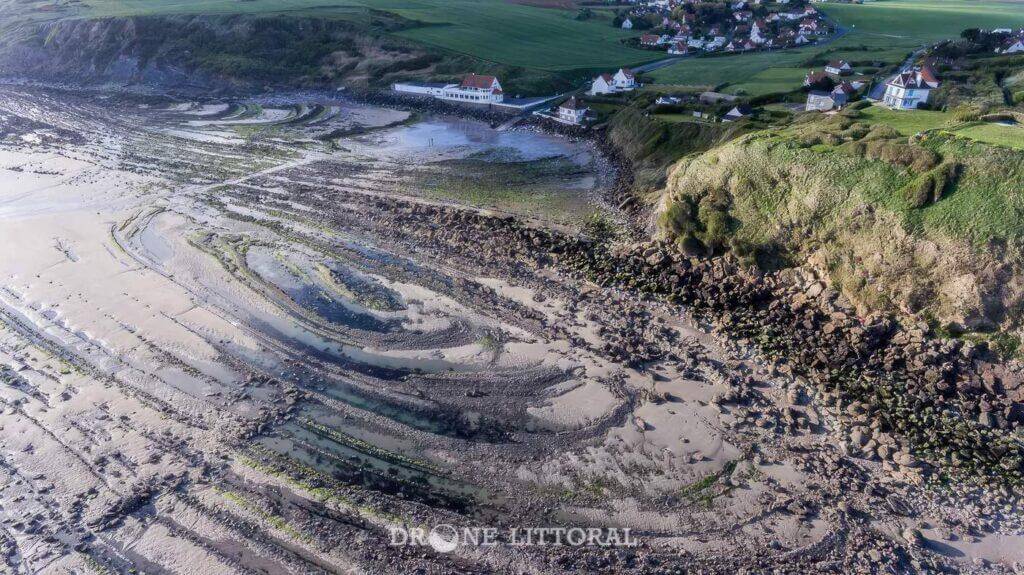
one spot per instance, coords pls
(932, 224)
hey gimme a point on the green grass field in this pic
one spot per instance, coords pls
(883, 30)
(906, 122)
(508, 33)
(998, 134)
(910, 122)
(499, 31)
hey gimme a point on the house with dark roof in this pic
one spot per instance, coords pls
(572, 111)
(738, 113)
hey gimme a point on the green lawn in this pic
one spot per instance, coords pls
(676, 118)
(770, 81)
(998, 134)
(499, 31)
(906, 122)
(883, 30)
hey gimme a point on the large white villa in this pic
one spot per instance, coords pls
(474, 89)
(910, 89)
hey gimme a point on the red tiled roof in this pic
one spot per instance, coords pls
(815, 77)
(928, 74)
(478, 82)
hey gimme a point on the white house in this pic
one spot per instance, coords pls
(715, 43)
(758, 31)
(838, 68)
(474, 88)
(627, 24)
(818, 101)
(737, 113)
(572, 111)
(834, 100)
(1015, 46)
(678, 49)
(603, 84)
(624, 80)
(908, 90)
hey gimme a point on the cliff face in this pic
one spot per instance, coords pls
(930, 227)
(228, 51)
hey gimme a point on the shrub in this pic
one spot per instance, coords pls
(678, 219)
(930, 187)
(966, 113)
(902, 154)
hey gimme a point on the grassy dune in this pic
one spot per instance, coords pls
(931, 225)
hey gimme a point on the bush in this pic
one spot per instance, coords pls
(930, 187)
(902, 154)
(966, 113)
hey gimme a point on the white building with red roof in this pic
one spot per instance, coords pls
(475, 89)
(622, 81)
(910, 89)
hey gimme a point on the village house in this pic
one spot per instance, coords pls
(1013, 46)
(572, 111)
(650, 40)
(627, 24)
(838, 68)
(835, 100)
(715, 43)
(603, 84)
(678, 49)
(808, 26)
(623, 81)
(737, 113)
(910, 89)
(758, 32)
(814, 78)
(819, 101)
